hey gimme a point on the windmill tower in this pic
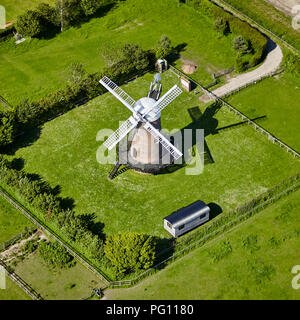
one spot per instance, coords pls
(148, 145)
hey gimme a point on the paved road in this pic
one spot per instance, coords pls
(271, 64)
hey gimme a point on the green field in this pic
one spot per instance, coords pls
(269, 17)
(38, 67)
(245, 164)
(13, 292)
(65, 284)
(259, 271)
(12, 222)
(278, 99)
(14, 8)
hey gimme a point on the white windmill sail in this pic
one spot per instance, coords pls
(120, 94)
(163, 140)
(121, 132)
(166, 99)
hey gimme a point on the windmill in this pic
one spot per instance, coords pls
(144, 153)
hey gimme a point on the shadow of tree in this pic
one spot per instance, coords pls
(96, 227)
(22, 141)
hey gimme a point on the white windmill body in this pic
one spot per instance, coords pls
(144, 152)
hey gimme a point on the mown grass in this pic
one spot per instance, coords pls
(12, 222)
(269, 17)
(37, 67)
(14, 8)
(64, 154)
(263, 251)
(74, 283)
(13, 292)
(278, 99)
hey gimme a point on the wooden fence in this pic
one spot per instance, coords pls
(20, 282)
(250, 122)
(10, 242)
(53, 235)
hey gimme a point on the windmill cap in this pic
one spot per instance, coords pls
(145, 104)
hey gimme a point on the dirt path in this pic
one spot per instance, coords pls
(10, 253)
(271, 64)
(284, 5)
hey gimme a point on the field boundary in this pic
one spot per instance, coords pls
(52, 234)
(21, 283)
(241, 15)
(250, 122)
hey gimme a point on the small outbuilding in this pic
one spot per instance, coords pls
(187, 218)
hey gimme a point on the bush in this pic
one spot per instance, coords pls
(55, 255)
(90, 7)
(30, 246)
(30, 24)
(130, 251)
(163, 47)
(221, 26)
(7, 128)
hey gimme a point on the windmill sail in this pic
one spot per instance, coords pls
(120, 133)
(164, 141)
(120, 94)
(166, 99)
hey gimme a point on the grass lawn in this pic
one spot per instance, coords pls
(14, 8)
(65, 284)
(259, 271)
(12, 222)
(278, 99)
(13, 292)
(37, 67)
(270, 17)
(245, 163)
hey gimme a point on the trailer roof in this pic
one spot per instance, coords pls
(185, 214)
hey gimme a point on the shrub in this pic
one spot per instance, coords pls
(48, 14)
(30, 24)
(242, 45)
(55, 255)
(90, 7)
(163, 47)
(130, 251)
(30, 246)
(221, 26)
(7, 128)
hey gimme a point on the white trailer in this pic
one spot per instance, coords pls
(187, 218)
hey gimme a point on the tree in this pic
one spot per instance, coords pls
(221, 26)
(71, 11)
(241, 45)
(163, 47)
(29, 24)
(130, 251)
(90, 7)
(7, 128)
(48, 13)
(135, 56)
